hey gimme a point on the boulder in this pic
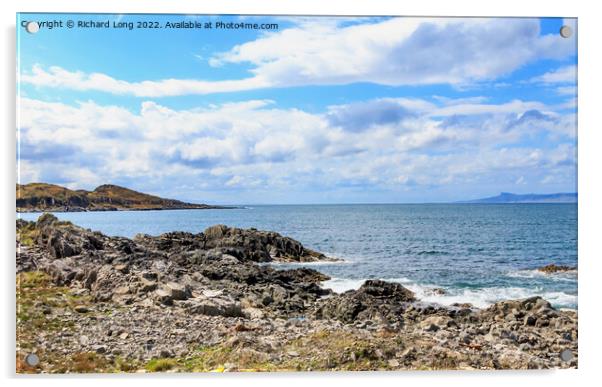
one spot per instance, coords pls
(386, 290)
(177, 291)
(147, 285)
(81, 309)
(61, 247)
(162, 296)
(216, 306)
(553, 268)
(374, 300)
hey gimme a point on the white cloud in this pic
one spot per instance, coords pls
(61, 78)
(567, 90)
(397, 51)
(565, 74)
(255, 146)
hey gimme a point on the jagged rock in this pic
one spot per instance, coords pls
(177, 291)
(553, 268)
(300, 275)
(45, 220)
(375, 299)
(259, 246)
(386, 290)
(514, 308)
(61, 271)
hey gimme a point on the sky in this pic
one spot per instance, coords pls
(317, 110)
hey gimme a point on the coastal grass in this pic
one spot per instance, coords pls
(161, 365)
(40, 306)
(27, 234)
(222, 357)
(36, 298)
(320, 351)
(337, 350)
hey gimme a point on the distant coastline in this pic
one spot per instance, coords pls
(507, 197)
(43, 197)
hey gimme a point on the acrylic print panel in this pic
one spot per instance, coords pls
(295, 193)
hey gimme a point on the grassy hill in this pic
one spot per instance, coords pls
(35, 197)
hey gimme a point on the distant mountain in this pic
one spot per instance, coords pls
(506, 197)
(38, 197)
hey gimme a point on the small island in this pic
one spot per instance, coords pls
(43, 197)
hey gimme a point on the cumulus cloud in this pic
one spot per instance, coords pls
(565, 74)
(399, 51)
(361, 116)
(230, 152)
(396, 51)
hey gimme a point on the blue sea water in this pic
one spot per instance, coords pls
(478, 253)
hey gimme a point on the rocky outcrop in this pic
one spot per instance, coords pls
(240, 244)
(553, 268)
(260, 246)
(174, 266)
(167, 296)
(373, 300)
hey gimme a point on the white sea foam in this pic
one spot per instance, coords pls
(313, 263)
(570, 276)
(484, 297)
(480, 298)
(340, 285)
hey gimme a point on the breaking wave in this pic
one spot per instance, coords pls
(480, 298)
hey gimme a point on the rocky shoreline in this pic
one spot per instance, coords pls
(183, 302)
(34, 210)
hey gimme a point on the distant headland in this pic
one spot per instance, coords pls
(38, 197)
(506, 197)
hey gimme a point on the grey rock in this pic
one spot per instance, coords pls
(177, 291)
(530, 320)
(162, 296)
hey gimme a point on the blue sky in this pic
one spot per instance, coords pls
(321, 110)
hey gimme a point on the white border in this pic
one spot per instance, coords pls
(590, 195)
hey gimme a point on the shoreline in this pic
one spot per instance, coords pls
(66, 210)
(199, 302)
(436, 294)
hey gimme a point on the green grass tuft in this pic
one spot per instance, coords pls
(161, 365)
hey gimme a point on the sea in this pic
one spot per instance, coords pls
(445, 253)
